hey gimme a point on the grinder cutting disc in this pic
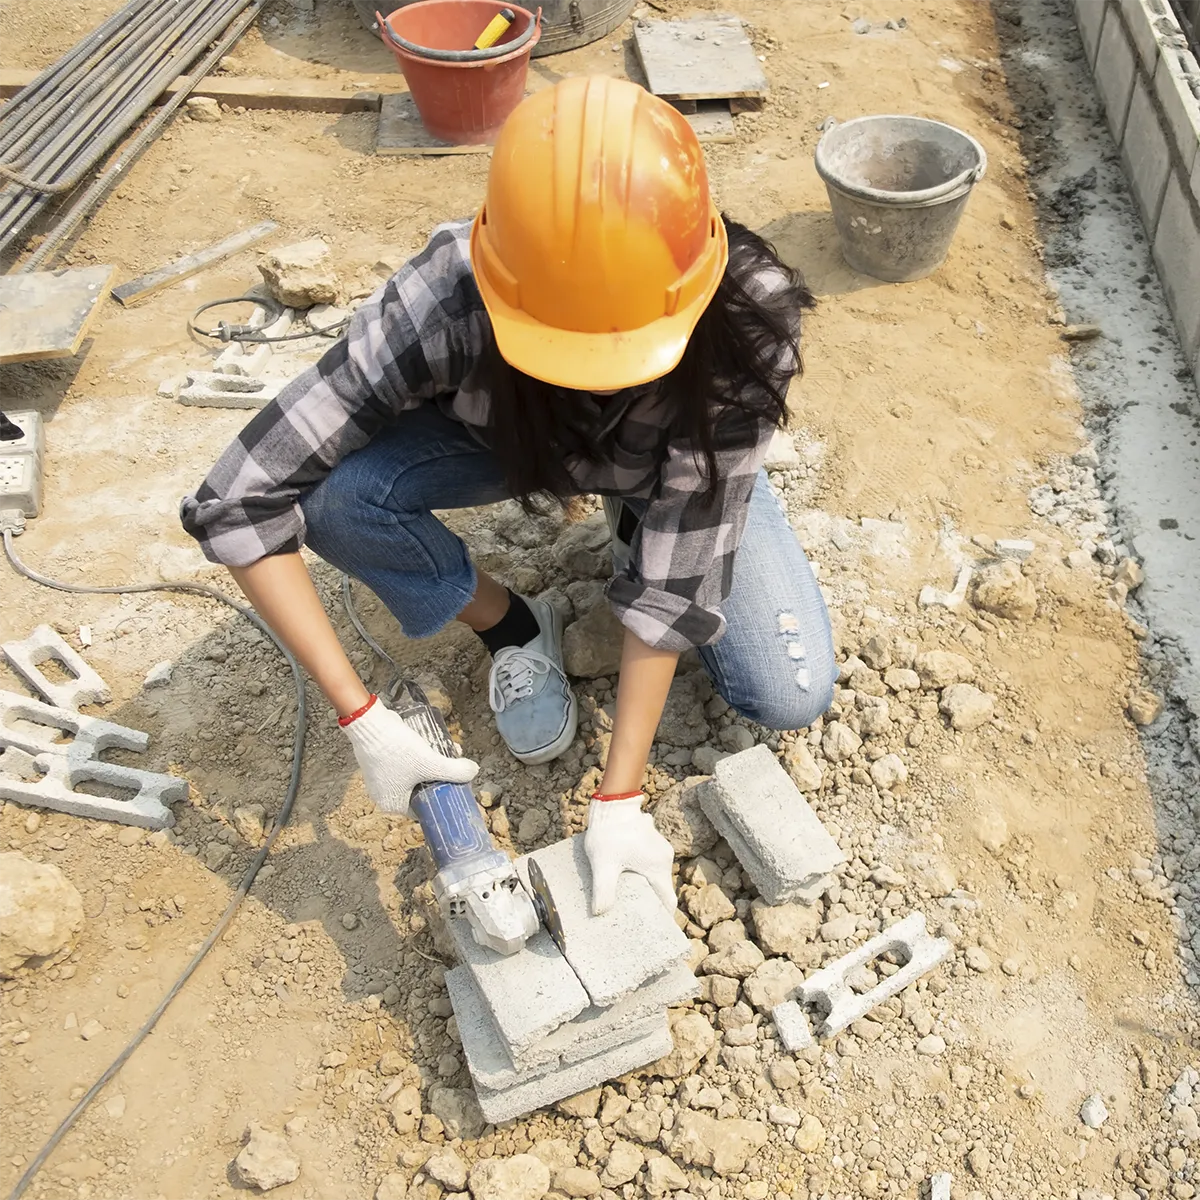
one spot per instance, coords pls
(544, 903)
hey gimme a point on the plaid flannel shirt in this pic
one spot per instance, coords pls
(418, 340)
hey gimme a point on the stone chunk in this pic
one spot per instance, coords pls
(297, 276)
(521, 1177)
(636, 940)
(940, 668)
(40, 913)
(768, 824)
(679, 817)
(1143, 706)
(448, 1169)
(1093, 1113)
(802, 767)
(888, 772)
(828, 991)
(786, 928)
(592, 645)
(709, 905)
(266, 1161)
(1002, 589)
(584, 550)
(726, 1146)
(774, 982)
(203, 108)
(43, 645)
(839, 742)
(967, 707)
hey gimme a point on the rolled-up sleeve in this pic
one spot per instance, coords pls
(417, 337)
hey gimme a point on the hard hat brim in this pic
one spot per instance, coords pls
(595, 362)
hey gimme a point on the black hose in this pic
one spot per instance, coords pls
(247, 880)
(459, 55)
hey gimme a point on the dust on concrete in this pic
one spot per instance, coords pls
(927, 413)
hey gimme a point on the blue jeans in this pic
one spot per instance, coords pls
(372, 517)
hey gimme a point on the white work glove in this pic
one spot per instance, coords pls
(394, 759)
(620, 837)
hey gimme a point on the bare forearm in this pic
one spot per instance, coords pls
(646, 676)
(281, 590)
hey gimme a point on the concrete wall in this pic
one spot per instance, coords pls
(1149, 83)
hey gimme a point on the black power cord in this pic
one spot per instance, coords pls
(249, 334)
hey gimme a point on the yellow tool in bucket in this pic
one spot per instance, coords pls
(497, 27)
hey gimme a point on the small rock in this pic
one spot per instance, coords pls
(458, 1110)
(781, 452)
(641, 1125)
(736, 738)
(90, 1029)
(740, 961)
(587, 1104)
(802, 767)
(448, 1169)
(266, 1161)
(693, 1037)
(810, 1137)
(1018, 549)
(203, 108)
(625, 1160)
(1002, 589)
(295, 275)
(839, 929)
(977, 959)
(992, 831)
(785, 928)
(775, 981)
(250, 822)
(663, 1175)
(1143, 706)
(577, 1182)
(888, 772)
(405, 1111)
(705, 759)
(295, 1126)
(931, 1045)
(861, 25)
(778, 1114)
(350, 920)
(839, 742)
(680, 819)
(902, 679)
(521, 1177)
(967, 707)
(159, 675)
(583, 549)
(1093, 1113)
(1129, 573)
(710, 904)
(784, 1074)
(41, 912)
(941, 668)
(592, 645)
(393, 1186)
(724, 1145)
(534, 823)
(979, 1161)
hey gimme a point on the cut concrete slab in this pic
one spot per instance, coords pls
(43, 645)
(529, 994)
(769, 826)
(636, 940)
(91, 735)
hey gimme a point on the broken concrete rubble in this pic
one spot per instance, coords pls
(43, 645)
(297, 277)
(769, 826)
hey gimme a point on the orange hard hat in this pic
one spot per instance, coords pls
(598, 246)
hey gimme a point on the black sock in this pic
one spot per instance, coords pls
(517, 627)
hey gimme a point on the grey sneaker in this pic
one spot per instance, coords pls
(535, 708)
(613, 508)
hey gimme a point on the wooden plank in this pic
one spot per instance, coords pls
(401, 131)
(713, 122)
(46, 314)
(300, 95)
(136, 290)
(709, 58)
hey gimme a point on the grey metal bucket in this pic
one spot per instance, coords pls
(897, 187)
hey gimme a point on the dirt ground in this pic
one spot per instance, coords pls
(926, 414)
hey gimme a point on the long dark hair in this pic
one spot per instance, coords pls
(734, 372)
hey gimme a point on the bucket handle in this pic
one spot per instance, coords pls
(467, 56)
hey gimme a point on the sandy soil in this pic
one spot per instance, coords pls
(926, 414)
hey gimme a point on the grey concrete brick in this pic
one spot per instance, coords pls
(529, 994)
(791, 1024)
(1139, 23)
(1089, 17)
(1176, 71)
(1114, 71)
(1176, 255)
(827, 992)
(636, 940)
(209, 389)
(91, 735)
(54, 790)
(1146, 156)
(648, 1042)
(42, 645)
(766, 820)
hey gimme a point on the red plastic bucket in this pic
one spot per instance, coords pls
(461, 102)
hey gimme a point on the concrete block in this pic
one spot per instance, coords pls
(529, 994)
(1139, 20)
(1089, 17)
(828, 994)
(1195, 182)
(595, 1032)
(21, 483)
(768, 824)
(62, 772)
(1016, 548)
(791, 1024)
(636, 940)
(647, 1042)
(91, 735)
(1146, 156)
(1177, 255)
(44, 645)
(1114, 71)
(939, 1185)
(242, 359)
(208, 389)
(1177, 70)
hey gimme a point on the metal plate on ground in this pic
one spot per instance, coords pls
(46, 314)
(709, 58)
(401, 131)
